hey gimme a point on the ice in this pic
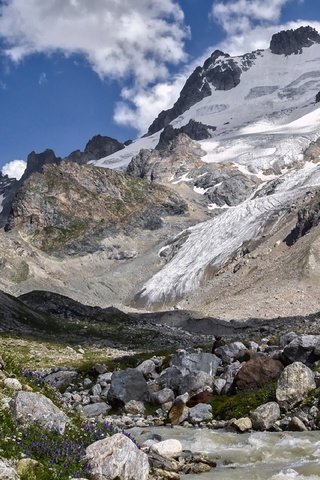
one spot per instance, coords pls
(210, 244)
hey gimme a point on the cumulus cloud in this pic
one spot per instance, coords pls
(140, 107)
(118, 38)
(14, 169)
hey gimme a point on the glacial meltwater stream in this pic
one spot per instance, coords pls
(252, 456)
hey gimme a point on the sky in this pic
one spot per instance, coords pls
(71, 69)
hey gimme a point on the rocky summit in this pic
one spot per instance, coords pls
(172, 280)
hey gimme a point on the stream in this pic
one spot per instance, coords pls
(251, 456)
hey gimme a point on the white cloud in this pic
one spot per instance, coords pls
(145, 104)
(42, 78)
(119, 38)
(237, 15)
(250, 24)
(14, 169)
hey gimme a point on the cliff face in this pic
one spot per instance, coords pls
(68, 202)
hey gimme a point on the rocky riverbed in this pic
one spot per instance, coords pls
(241, 387)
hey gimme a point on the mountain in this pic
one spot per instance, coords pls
(227, 181)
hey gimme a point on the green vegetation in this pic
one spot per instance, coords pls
(61, 455)
(225, 407)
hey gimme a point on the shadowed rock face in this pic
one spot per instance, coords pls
(219, 71)
(36, 162)
(98, 147)
(195, 130)
(288, 42)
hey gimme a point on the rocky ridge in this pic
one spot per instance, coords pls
(68, 202)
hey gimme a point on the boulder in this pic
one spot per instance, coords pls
(117, 457)
(297, 425)
(12, 384)
(134, 407)
(301, 348)
(294, 383)
(162, 396)
(188, 362)
(229, 353)
(29, 408)
(127, 385)
(7, 473)
(95, 409)
(195, 382)
(229, 375)
(171, 378)
(200, 413)
(257, 372)
(104, 377)
(242, 424)
(218, 385)
(61, 379)
(264, 417)
(166, 464)
(148, 369)
(286, 339)
(168, 448)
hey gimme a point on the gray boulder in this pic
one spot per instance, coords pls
(301, 348)
(162, 396)
(127, 385)
(29, 408)
(264, 417)
(171, 378)
(115, 458)
(286, 339)
(200, 413)
(196, 362)
(134, 408)
(294, 383)
(96, 409)
(229, 353)
(61, 379)
(148, 369)
(196, 382)
(229, 375)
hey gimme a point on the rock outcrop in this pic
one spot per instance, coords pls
(195, 130)
(98, 147)
(68, 202)
(219, 71)
(288, 42)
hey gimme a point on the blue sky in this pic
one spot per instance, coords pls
(70, 69)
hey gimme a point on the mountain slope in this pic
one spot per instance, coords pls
(241, 149)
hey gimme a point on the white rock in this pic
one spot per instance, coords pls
(168, 448)
(115, 458)
(294, 383)
(13, 384)
(7, 473)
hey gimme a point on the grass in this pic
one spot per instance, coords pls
(225, 407)
(61, 455)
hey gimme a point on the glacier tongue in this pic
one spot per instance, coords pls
(211, 244)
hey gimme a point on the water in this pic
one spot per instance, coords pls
(252, 456)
